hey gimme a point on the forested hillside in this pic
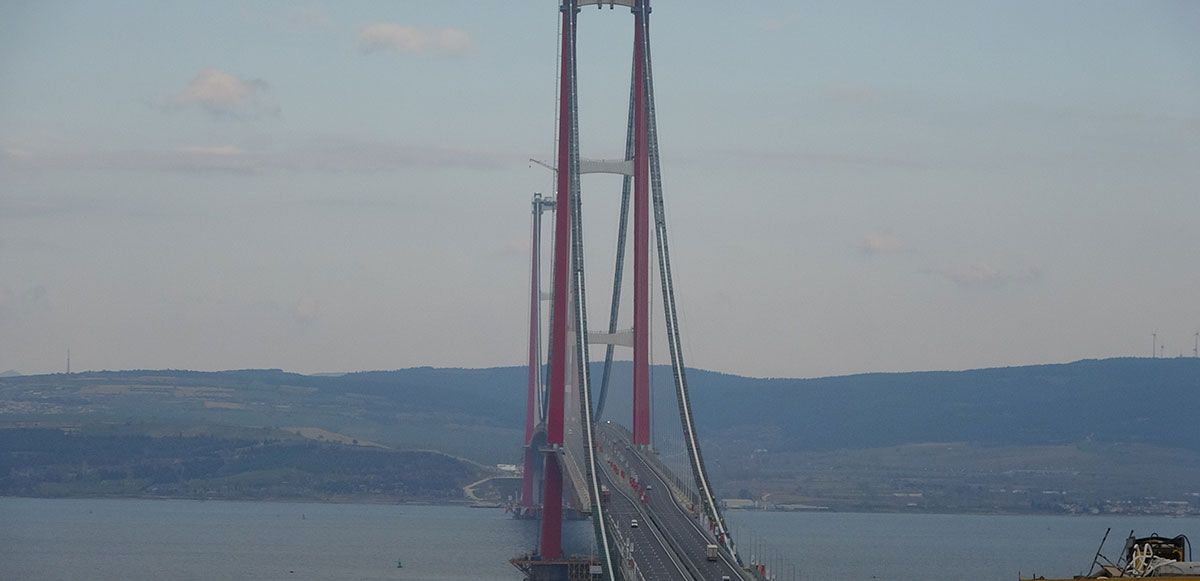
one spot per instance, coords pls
(1097, 427)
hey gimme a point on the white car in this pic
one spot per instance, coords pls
(633, 524)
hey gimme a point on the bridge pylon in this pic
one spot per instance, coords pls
(561, 415)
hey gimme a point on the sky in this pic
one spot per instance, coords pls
(850, 186)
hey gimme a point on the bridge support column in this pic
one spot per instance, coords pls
(551, 544)
(529, 480)
(552, 510)
(641, 246)
(532, 398)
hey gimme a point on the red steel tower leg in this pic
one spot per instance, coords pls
(552, 510)
(641, 247)
(552, 494)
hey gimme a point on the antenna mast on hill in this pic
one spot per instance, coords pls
(1196, 349)
(1154, 346)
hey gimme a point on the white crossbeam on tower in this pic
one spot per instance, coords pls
(622, 338)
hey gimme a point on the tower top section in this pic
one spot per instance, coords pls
(609, 3)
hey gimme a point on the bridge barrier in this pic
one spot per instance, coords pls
(683, 495)
(685, 498)
(629, 569)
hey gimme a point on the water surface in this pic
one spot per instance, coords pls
(150, 540)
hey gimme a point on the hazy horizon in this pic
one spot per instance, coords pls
(594, 363)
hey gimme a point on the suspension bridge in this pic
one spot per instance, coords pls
(643, 487)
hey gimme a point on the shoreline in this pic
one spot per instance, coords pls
(466, 503)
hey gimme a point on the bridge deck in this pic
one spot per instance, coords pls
(669, 542)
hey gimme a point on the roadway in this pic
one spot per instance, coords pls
(669, 542)
(650, 550)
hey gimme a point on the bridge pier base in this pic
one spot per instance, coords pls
(578, 569)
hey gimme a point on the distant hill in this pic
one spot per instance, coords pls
(1129, 400)
(117, 461)
(10, 373)
(1110, 421)
(1150, 401)
(458, 411)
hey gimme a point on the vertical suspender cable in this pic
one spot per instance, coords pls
(599, 521)
(671, 315)
(619, 268)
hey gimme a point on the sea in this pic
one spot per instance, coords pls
(135, 540)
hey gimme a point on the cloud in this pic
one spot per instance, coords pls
(224, 95)
(317, 155)
(220, 158)
(410, 40)
(516, 246)
(224, 158)
(312, 15)
(14, 156)
(982, 275)
(227, 150)
(795, 159)
(20, 302)
(876, 243)
(345, 155)
(853, 92)
(306, 311)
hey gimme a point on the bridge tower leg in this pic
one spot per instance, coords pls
(534, 398)
(552, 494)
(641, 246)
(529, 480)
(535, 365)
